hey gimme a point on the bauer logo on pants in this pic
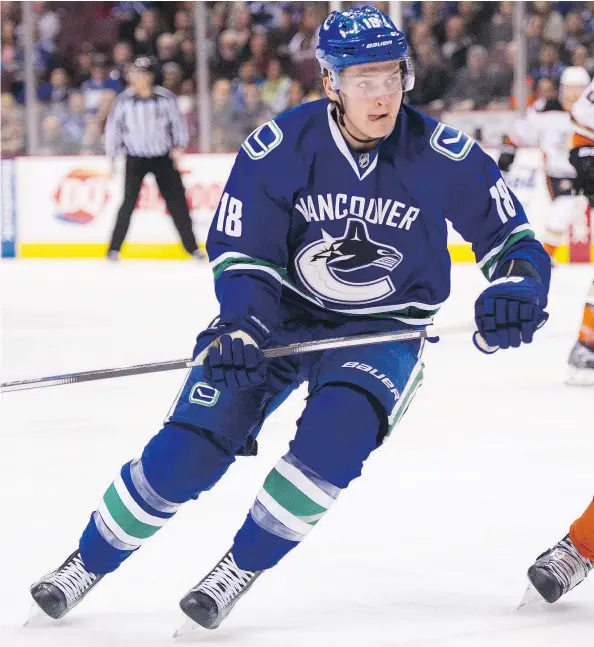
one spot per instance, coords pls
(204, 394)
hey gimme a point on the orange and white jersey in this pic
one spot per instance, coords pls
(582, 118)
(547, 126)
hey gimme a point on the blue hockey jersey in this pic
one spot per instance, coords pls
(342, 233)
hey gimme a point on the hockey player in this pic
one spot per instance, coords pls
(581, 359)
(547, 125)
(568, 562)
(332, 223)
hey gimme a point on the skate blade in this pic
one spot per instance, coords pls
(36, 617)
(186, 627)
(531, 596)
(580, 377)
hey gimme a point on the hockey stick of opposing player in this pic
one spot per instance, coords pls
(269, 353)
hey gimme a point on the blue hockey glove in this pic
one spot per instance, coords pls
(509, 312)
(231, 357)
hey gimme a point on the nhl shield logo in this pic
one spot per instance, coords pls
(364, 160)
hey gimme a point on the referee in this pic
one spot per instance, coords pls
(146, 125)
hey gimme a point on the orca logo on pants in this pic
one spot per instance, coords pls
(204, 394)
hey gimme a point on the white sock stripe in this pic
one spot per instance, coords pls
(404, 395)
(133, 507)
(300, 481)
(271, 524)
(108, 535)
(143, 487)
(115, 528)
(283, 515)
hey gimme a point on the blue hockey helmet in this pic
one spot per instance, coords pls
(358, 36)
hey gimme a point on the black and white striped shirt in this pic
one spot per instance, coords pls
(145, 127)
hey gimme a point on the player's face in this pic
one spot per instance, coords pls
(371, 96)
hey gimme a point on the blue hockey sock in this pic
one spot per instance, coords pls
(337, 432)
(176, 465)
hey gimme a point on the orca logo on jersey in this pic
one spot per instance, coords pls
(324, 265)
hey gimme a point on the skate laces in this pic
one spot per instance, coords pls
(226, 581)
(73, 579)
(566, 564)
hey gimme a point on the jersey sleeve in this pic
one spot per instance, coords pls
(247, 241)
(487, 214)
(526, 129)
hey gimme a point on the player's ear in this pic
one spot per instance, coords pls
(333, 96)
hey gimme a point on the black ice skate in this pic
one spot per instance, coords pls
(212, 599)
(61, 590)
(558, 570)
(581, 365)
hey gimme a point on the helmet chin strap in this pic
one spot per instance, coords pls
(341, 113)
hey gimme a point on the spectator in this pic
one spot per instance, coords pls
(145, 35)
(473, 86)
(241, 23)
(576, 36)
(581, 58)
(127, 15)
(224, 117)
(122, 60)
(456, 44)
(296, 94)
(182, 24)
(553, 26)
(281, 35)
(13, 127)
(275, 89)
(501, 72)
(74, 122)
(94, 87)
(254, 113)
(53, 140)
(187, 106)
(419, 34)
(167, 49)
(91, 143)
(533, 40)
(48, 21)
(83, 65)
(106, 100)
(545, 89)
(247, 74)
(187, 58)
(259, 52)
(55, 92)
(302, 48)
(549, 66)
(432, 78)
(9, 53)
(172, 77)
(500, 27)
(432, 14)
(225, 63)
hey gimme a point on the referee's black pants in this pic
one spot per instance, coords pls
(172, 189)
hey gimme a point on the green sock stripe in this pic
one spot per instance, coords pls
(124, 518)
(291, 498)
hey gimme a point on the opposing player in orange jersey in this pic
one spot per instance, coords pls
(581, 359)
(568, 562)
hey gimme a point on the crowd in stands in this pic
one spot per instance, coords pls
(261, 58)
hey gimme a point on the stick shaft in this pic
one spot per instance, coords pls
(269, 353)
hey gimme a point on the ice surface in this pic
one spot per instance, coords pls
(428, 549)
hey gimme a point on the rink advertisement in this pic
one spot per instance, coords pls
(67, 205)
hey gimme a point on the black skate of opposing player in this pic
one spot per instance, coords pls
(557, 571)
(59, 591)
(211, 600)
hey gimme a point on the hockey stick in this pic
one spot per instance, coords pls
(269, 353)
